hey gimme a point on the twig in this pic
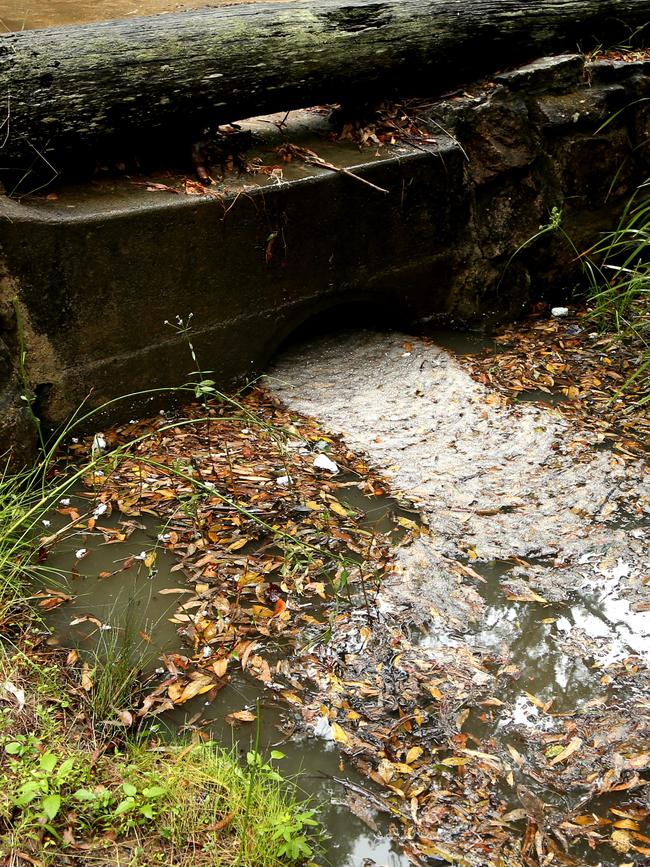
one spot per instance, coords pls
(311, 158)
(379, 802)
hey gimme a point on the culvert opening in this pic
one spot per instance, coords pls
(372, 316)
(361, 315)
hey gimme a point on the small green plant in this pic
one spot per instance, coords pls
(291, 832)
(124, 809)
(553, 224)
(41, 781)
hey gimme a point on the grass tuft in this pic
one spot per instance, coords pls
(620, 284)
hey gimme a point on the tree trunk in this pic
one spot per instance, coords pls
(78, 87)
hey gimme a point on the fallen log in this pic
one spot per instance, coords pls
(150, 79)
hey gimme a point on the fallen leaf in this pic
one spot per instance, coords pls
(240, 716)
(86, 679)
(572, 747)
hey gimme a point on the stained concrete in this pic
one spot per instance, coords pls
(98, 268)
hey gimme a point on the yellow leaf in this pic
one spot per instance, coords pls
(621, 842)
(386, 770)
(335, 506)
(413, 755)
(175, 691)
(220, 667)
(529, 596)
(435, 692)
(240, 716)
(585, 819)
(338, 734)
(126, 506)
(407, 523)
(402, 768)
(571, 392)
(261, 611)
(517, 756)
(150, 559)
(627, 824)
(536, 701)
(202, 683)
(455, 761)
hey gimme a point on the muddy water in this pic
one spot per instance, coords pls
(30, 14)
(135, 600)
(560, 618)
(534, 635)
(554, 533)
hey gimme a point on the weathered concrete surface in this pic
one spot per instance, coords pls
(98, 270)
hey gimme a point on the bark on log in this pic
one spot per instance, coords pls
(70, 88)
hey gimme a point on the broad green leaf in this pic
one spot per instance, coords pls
(124, 806)
(48, 762)
(51, 806)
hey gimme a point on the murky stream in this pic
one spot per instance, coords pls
(137, 601)
(557, 650)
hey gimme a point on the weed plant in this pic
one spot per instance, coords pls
(617, 272)
(184, 804)
(618, 269)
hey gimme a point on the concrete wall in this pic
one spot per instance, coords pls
(97, 272)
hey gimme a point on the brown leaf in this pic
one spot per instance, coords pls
(86, 678)
(239, 717)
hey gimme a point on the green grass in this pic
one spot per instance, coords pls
(24, 502)
(618, 269)
(115, 669)
(133, 801)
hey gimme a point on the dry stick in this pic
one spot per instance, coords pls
(311, 158)
(378, 801)
(48, 540)
(325, 165)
